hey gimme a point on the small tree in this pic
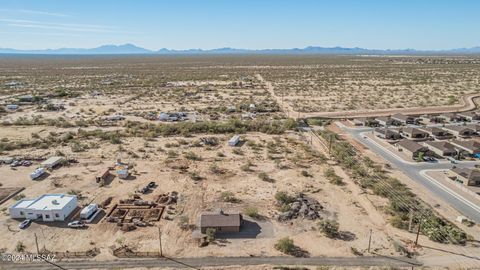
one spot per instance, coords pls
(210, 232)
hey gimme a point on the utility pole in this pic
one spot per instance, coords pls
(160, 240)
(36, 243)
(330, 144)
(418, 232)
(410, 221)
(369, 240)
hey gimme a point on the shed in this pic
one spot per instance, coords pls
(234, 140)
(102, 174)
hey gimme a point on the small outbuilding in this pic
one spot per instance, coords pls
(52, 162)
(234, 140)
(102, 175)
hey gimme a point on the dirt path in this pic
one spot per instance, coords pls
(284, 106)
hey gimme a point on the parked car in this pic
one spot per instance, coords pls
(145, 189)
(452, 160)
(15, 163)
(76, 224)
(24, 224)
(429, 159)
(151, 184)
(26, 163)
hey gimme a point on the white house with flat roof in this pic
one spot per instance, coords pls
(48, 207)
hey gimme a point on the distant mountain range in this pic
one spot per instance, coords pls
(132, 49)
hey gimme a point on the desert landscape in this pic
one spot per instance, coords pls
(171, 121)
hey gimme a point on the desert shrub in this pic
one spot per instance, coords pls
(19, 247)
(305, 174)
(251, 212)
(228, 196)
(215, 169)
(192, 156)
(246, 167)
(329, 227)
(264, 177)
(332, 177)
(284, 198)
(285, 245)
(238, 151)
(195, 176)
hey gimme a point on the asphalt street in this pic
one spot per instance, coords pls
(196, 263)
(413, 171)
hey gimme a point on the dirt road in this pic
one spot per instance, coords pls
(467, 103)
(196, 263)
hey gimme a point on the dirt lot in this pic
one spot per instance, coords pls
(221, 168)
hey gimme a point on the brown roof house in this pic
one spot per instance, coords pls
(414, 134)
(220, 221)
(471, 147)
(441, 148)
(403, 119)
(389, 134)
(411, 148)
(475, 127)
(460, 131)
(469, 116)
(450, 117)
(385, 121)
(364, 121)
(468, 177)
(437, 133)
(431, 118)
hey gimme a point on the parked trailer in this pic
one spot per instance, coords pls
(88, 211)
(234, 140)
(37, 173)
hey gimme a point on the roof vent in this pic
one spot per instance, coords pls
(55, 202)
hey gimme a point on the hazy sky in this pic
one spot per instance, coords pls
(255, 24)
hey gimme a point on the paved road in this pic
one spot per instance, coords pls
(194, 263)
(413, 171)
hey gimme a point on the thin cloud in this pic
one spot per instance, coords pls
(36, 12)
(60, 26)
